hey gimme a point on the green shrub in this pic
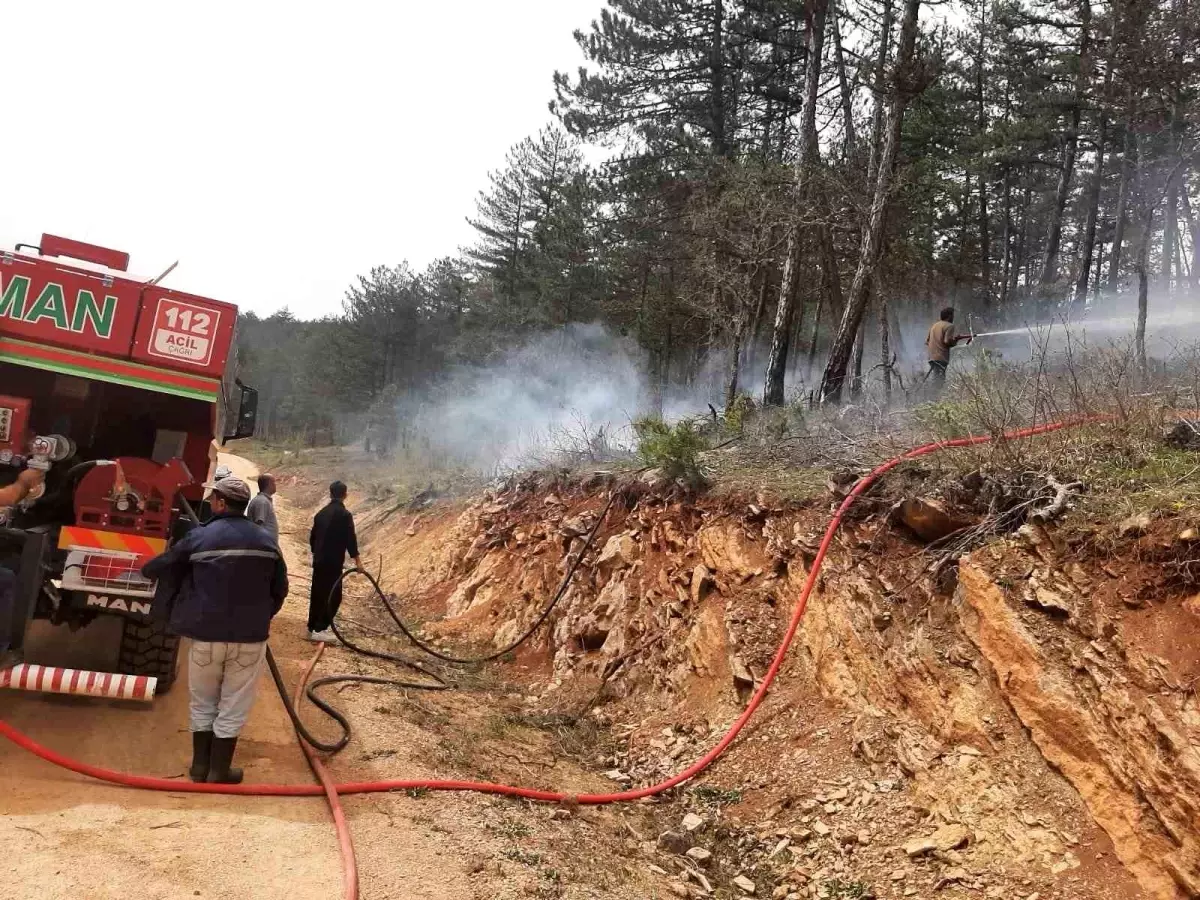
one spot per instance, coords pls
(673, 448)
(944, 419)
(738, 412)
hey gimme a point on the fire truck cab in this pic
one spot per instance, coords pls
(119, 389)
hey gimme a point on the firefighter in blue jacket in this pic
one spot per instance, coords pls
(221, 585)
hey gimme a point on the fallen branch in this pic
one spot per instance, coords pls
(1061, 502)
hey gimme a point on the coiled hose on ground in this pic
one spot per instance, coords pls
(332, 791)
(435, 681)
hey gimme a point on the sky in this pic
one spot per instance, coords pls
(276, 150)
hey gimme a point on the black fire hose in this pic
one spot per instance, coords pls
(529, 632)
(438, 683)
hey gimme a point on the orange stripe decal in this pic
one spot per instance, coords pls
(142, 546)
(72, 537)
(110, 540)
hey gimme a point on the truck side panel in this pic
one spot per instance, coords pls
(46, 302)
(183, 331)
(50, 304)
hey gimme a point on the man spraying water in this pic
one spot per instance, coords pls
(942, 338)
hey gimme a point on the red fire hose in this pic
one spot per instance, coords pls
(345, 842)
(332, 791)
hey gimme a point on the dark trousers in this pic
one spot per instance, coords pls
(937, 375)
(326, 595)
(8, 598)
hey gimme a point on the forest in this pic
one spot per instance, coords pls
(772, 197)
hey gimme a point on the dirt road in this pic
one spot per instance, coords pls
(64, 836)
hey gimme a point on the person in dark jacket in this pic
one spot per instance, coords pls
(11, 495)
(332, 540)
(221, 585)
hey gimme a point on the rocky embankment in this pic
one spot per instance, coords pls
(955, 732)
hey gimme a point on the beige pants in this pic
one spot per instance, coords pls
(222, 681)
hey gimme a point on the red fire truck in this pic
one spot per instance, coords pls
(119, 388)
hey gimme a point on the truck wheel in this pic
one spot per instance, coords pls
(149, 650)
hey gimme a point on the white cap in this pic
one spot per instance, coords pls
(222, 472)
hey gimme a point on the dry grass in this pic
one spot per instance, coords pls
(1122, 459)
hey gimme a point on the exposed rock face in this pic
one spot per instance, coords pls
(929, 519)
(477, 586)
(619, 553)
(726, 549)
(1130, 752)
(968, 694)
(702, 581)
(593, 630)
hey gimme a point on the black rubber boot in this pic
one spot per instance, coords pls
(219, 770)
(202, 743)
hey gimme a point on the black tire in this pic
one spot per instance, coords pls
(149, 650)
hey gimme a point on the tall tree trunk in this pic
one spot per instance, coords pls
(716, 69)
(1170, 250)
(1145, 203)
(1176, 183)
(1096, 182)
(885, 348)
(815, 333)
(797, 333)
(1175, 186)
(785, 312)
(879, 75)
(1070, 148)
(663, 379)
(1185, 267)
(1006, 238)
(985, 228)
(1128, 161)
(1142, 264)
(735, 356)
(1021, 260)
(766, 132)
(1088, 246)
(896, 336)
(872, 243)
(1098, 278)
(848, 132)
(808, 156)
(831, 291)
(1194, 228)
(750, 348)
(516, 246)
(964, 231)
(856, 381)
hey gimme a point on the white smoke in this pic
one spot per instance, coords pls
(571, 392)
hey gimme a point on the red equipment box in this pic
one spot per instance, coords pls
(182, 331)
(14, 427)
